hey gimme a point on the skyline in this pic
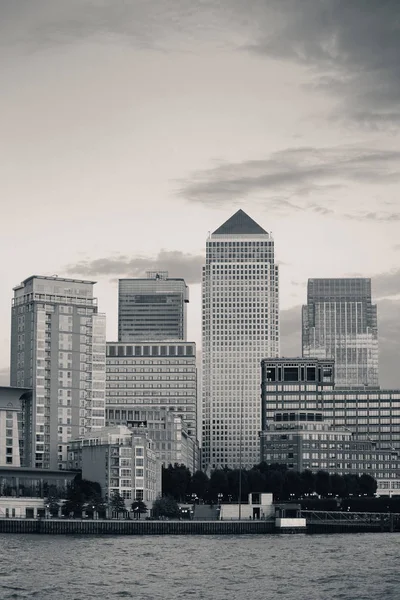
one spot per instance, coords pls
(130, 131)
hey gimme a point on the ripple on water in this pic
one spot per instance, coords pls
(335, 567)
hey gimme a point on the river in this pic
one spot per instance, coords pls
(290, 567)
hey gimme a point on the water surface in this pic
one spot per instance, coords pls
(293, 567)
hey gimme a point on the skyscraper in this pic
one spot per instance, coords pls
(340, 322)
(58, 348)
(240, 327)
(152, 309)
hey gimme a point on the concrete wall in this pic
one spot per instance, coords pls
(17, 506)
(263, 510)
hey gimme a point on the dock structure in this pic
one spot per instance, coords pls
(316, 522)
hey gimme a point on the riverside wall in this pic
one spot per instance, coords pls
(128, 527)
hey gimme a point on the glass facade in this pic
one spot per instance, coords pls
(240, 326)
(340, 322)
(152, 309)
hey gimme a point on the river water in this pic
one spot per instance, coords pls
(290, 567)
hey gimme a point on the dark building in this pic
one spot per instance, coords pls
(152, 309)
(340, 322)
(301, 384)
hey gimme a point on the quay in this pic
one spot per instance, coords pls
(316, 522)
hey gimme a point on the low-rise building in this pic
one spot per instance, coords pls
(308, 384)
(120, 459)
(259, 506)
(304, 440)
(14, 438)
(166, 429)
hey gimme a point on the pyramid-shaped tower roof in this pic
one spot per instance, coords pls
(240, 223)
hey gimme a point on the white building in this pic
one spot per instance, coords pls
(240, 327)
(58, 350)
(168, 432)
(13, 440)
(120, 459)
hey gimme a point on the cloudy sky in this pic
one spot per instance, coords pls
(131, 128)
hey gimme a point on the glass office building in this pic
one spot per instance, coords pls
(340, 322)
(152, 309)
(240, 324)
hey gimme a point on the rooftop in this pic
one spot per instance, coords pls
(240, 223)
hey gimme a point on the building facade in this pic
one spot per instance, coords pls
(152, 309)
(340, 322)
(58, 350)
(168, 432)
(14, 438)
(304, 440)
(300, 384)
(120, 459)
(153, 377)
(240, 326)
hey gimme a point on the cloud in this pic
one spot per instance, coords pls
(296, 172)
(158, 25)
(350, 49)
(178, 264)
(386, 284)
(388, 335)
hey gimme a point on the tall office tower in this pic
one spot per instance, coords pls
(340, 322)
(152, 309)
(240, 327)
(58, 348)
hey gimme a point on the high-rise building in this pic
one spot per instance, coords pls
(152, 309)
(240, 327)
(58, 350)
(340, 322)
(144, 378)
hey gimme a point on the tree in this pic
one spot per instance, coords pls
(368, 485)
(166, 506)
(308, 482)
(176, 481)
(322, 484)
(256, 480)
(199, 484)
(74, 501)
(139, 508)
(117, 503)
(96, 504)
(338, 485)
(352, 484)
(218, 486)
(274, 483)
(292, 485)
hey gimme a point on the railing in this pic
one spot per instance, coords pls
(339, 516)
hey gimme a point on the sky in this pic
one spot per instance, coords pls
(130, 129)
